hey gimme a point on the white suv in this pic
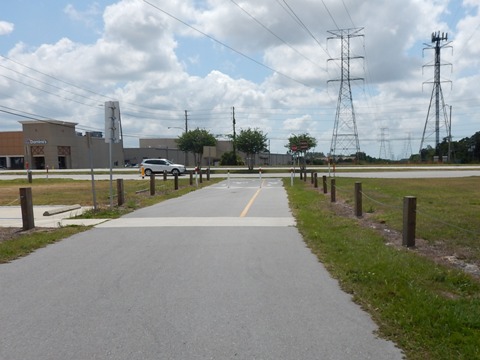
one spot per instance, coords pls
(161, 165)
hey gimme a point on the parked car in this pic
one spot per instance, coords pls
(161, 165)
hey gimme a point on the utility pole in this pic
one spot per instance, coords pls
(234, 145)
(185, 154)
(437, 94)
(345, 133)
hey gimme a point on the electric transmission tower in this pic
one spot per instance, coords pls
(345, 135)
(433, 127)
(383, 149)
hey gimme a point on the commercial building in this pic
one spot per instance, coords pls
(57, 145)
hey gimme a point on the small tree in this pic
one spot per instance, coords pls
(251, 142)
(300, 144)
(194, 141)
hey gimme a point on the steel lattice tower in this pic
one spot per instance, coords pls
(345, 135)
(437, 94)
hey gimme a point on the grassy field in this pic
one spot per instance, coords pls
(70, 192)
(431, 311)
(448, 210)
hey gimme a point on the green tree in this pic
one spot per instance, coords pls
(251, 142)
(194, 141)
(230, 158)
(300, 144)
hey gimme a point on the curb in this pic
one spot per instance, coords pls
(61, 210)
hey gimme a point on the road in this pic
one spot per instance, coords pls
(220, 273)
(401, 172)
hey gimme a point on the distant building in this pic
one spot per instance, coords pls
(57, 145)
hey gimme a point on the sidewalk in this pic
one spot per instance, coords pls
(11, 216)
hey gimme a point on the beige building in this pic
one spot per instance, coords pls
(55, 144)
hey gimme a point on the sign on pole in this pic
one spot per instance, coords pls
(112, 121)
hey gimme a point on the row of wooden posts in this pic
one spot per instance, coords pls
(26, 200)
(409, 205)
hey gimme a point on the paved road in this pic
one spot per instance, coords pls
(401, 172)
(220, 273)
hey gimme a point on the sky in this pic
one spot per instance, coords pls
(270, 64)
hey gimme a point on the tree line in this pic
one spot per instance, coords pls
(250, 142)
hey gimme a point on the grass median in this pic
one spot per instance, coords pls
(431, 311)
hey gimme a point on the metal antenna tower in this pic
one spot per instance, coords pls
(345, 134)
(437, 94)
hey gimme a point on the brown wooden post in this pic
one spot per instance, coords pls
(358, 199)
(120, 192)
(152, 184)
(305, 175)
(26, 203)
(333, 191)
(301, 174)
(29, 176)
(315, 181)
(191, 178)
(324, 180)
(201, 177)
(208, 174)
(175, 180)
(311, 176)
(409, 220)
(165, 175)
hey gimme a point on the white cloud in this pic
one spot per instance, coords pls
(6, 27)
(87, 17)
(138, 60)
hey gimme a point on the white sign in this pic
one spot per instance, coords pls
(112, 121)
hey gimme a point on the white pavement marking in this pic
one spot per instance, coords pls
(199, 221)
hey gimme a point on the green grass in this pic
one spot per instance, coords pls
(23, 244)
(447, 209)
(430, 311)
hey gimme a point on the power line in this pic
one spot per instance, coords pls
(275, 35)
(225, 45)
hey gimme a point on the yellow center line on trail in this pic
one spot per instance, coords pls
(250, 203)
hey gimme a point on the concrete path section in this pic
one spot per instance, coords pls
(11, 216)
(220, 273)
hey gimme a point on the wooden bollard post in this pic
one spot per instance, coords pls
(315, 180)
(29, 176)
(165, 175)
(305, 175)
(152, 184)
(201, 177)
(333, 191)
(324, 181)
(358, 199)
(175, 180)
(409, 220)
(312, 176)
(208, 174)
(120, 192)
(191, 178)
(301, 174)
(26, 203)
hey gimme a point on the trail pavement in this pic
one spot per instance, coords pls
(220, 273)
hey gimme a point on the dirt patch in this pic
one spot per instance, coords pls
(437, 251)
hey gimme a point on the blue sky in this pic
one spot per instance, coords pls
(63, 59)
